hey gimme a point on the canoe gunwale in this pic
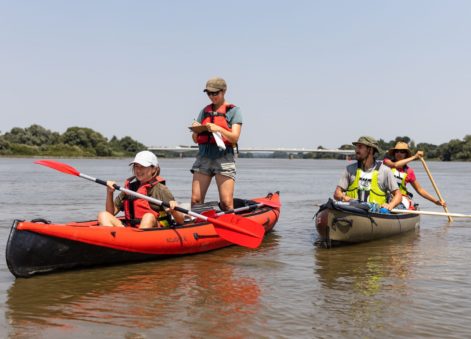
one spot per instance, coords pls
(331, 204)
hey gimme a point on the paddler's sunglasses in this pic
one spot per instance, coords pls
(400, 151)
(212, 94)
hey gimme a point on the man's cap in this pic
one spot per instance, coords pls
(400, 145)
(368, 141)
(215, 85)
(146, 159)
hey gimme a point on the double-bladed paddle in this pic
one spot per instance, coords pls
(231, 227)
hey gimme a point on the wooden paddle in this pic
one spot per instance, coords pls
(231, 227)
(456, 215)
(450, 219)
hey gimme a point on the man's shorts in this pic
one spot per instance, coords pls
(224, 166)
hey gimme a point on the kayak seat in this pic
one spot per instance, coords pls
(210, 205)
(214, 205)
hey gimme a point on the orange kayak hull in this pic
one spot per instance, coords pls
(38, 247)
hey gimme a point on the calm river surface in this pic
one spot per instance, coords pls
(416, 285)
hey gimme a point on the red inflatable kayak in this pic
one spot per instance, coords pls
(40, 247)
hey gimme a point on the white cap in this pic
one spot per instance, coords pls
(146, 159)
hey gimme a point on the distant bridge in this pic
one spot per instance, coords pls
(184, 148)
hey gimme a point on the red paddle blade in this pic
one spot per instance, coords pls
(239, 230)
(59, 166)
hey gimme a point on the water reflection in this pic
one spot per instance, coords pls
(373, 261)
(143, 296)
(363, 280)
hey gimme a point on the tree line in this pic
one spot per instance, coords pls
(454, 150)
(74, 142)
(85, 142)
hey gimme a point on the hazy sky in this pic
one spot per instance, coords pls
(305, 73)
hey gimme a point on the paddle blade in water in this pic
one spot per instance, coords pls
(239, 230)
(59, 166)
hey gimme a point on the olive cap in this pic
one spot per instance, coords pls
(215, 85)
(367, 141)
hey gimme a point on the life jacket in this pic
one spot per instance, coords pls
(135, 208)
(401, 180)
(365, 187)
(218, 118)
(401, 177)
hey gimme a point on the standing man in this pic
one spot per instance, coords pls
(216, 130)
(368, 180)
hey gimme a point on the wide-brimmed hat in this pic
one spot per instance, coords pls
(368, 141)
(215, 85)
(400, 145)
(146, 159)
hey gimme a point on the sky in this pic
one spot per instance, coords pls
(304, 73)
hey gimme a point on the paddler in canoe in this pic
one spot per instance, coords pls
(368, 180)
(398, 158)
(216, 129)
(139, 212)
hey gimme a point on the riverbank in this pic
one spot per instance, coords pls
(82, 142)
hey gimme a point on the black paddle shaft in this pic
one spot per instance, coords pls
(158, 202)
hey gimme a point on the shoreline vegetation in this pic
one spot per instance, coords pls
(83, 142)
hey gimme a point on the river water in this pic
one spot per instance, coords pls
(414, 285)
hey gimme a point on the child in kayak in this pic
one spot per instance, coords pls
(140, 212)
(397, 158)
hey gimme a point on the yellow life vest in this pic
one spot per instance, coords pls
(401, 180)
(365, 187)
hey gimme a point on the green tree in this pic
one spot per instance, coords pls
(103, 150)
(39, 135)
(449, 151)
(130, 145)
(34, 135)
(430, 151)
(75, 141)
(86, 138)
(4, 145)
(405, 139)
(114, 143)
